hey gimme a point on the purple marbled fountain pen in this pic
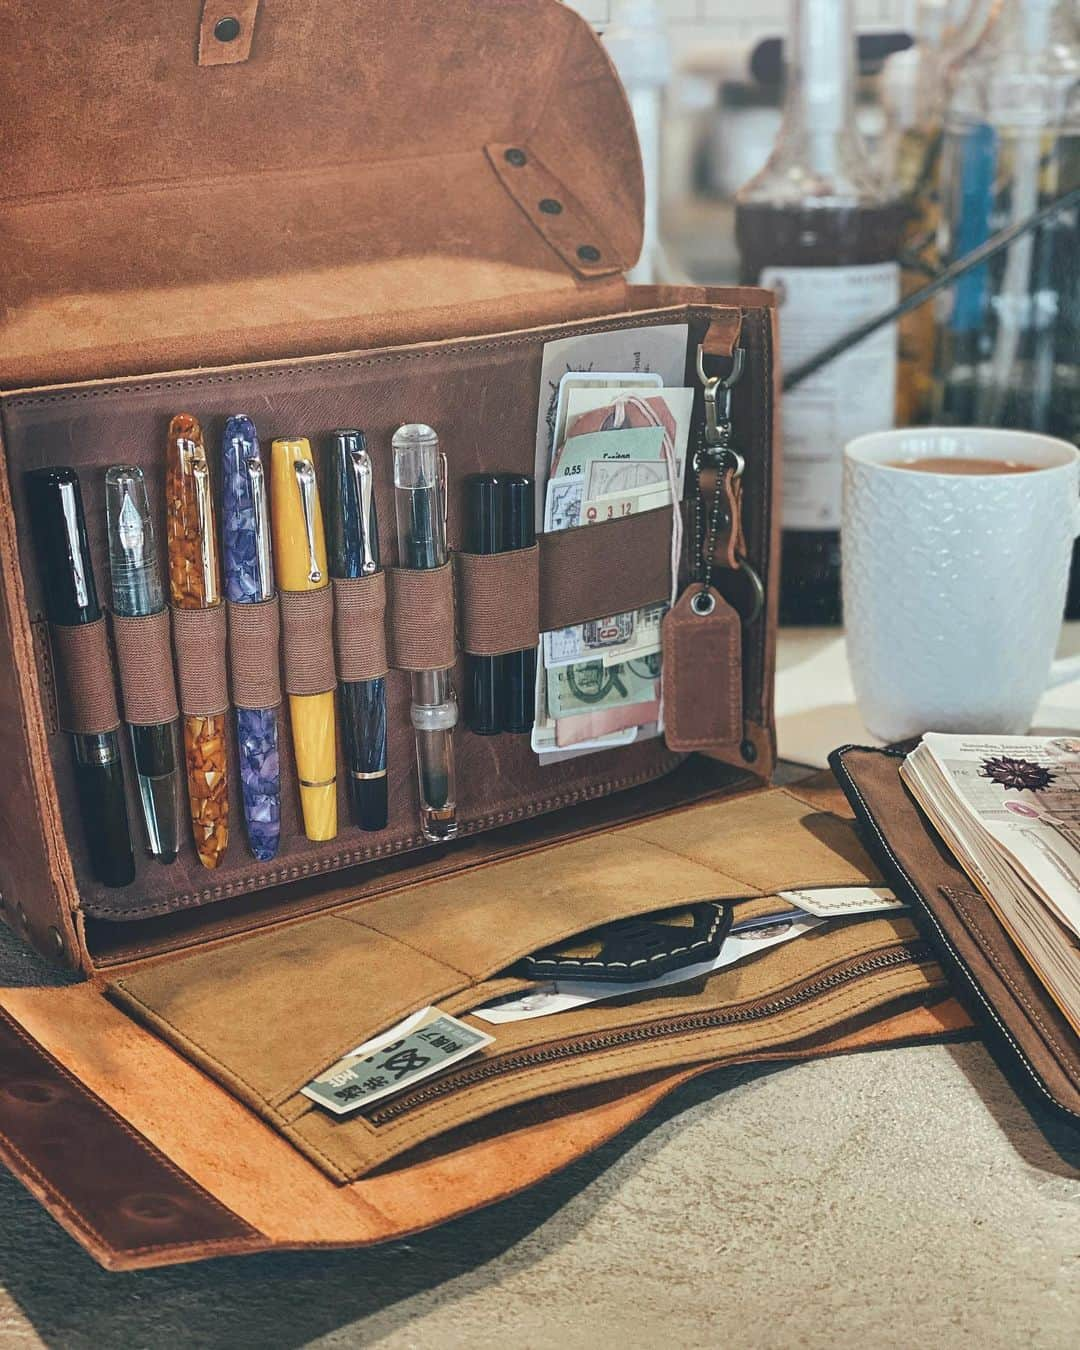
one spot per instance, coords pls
(249, 579)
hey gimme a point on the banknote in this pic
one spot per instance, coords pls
(591, 686)
(587, 727)
(423, 1044)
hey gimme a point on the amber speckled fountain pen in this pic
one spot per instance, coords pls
(195, 583)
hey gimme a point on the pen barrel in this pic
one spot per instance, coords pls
(260, 779)
(156, 750)
(208, 786)
(518, 669)
(518, 681)
(363, 733)
(313, 721)
(99, 782)
(483, 674)
(434, 715)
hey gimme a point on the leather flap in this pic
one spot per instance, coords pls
(366, 166)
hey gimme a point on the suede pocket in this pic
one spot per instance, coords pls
(265, 1014)
(768, 1005)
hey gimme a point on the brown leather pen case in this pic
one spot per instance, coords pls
(383, 217)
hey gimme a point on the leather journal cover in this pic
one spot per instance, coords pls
(382, 216)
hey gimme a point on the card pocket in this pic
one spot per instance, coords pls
(265, 1014)
(767, 1006)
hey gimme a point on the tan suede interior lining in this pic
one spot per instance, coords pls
(434, 941)
(145, 661)
(760, 1015)
(86, 692)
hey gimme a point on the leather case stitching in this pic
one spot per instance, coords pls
(839, 758)
(958, 898)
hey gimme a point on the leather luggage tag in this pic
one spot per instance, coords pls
(701, 638)
(635, 950)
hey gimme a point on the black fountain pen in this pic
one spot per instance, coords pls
(59, 531)
(353, 551)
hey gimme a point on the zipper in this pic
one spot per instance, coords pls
(575, 1047)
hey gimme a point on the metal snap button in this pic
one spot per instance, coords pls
(551, 207)
(748, 750)
(516, 157)
(589, 253)
(227, 30)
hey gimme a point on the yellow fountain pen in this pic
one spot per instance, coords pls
(195, 583)
(300, 562)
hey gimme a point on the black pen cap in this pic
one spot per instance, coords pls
(519, 520)
(58, 525)
(371, 799)
(484, 513)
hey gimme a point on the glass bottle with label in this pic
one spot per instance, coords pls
(1009, 331)
(818, 226)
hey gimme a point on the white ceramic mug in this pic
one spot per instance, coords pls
(954, 585)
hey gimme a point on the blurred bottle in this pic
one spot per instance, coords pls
(914, 91)
(638, 44)
(818, 226)
(1009, 332)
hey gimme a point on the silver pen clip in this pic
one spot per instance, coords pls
(360, 461)
(305, 478)
(205, 509)
(257, 482)
(71, 527)
(444, 486)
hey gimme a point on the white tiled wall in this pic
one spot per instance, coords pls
(737, 19)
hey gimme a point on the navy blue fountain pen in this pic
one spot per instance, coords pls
(352, 538)
(249, 579)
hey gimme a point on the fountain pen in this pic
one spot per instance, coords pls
(353, 548)
(249, 579)
(138, 592)
(300, 561)
(59, 532)
(195, 583)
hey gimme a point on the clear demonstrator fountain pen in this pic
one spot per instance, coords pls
(420, 504)
(138, 592)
